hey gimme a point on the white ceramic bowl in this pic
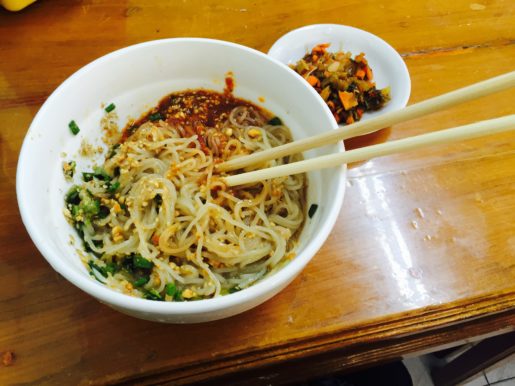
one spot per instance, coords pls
(388, 67)
(136, 78)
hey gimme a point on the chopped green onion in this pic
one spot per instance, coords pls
(234, 289)
(72, 197)
(111, 268)
(103, 212)
(178, 297)
(141, 281)
(101, 270)
(89, 205)
(112, 151)
(98, 173)
(73, 127)
(110, 108)
(127, 265)
(312, 209)
(113, 187)
(93, 207)
(152, 294)
(101, 174)
(140, 262)
(155, 117)
(69, 169)
(97, 275)
(275, 121)
(87, 176)
(75, 210)
(171, 289)
(98, 243)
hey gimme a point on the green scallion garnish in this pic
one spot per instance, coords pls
(275, 121)
(100, 270)
(103, 212)
(87, 176)
(141, 281)
(113, 187)
(72, 196)
(234, 289)
(101, 174)
(312, 209)
(73, 127)
(110, 108)
(140, 262)
(113, 150)
(171, 289)
(111, 268)
(152, 294)
(178, 297)
(155, 117)
(69, 169)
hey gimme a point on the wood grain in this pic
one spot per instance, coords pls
(423, 252)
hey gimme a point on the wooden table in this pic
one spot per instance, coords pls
(422, 255)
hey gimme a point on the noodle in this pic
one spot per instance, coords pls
(159, 222)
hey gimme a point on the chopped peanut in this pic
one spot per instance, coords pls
(117, 234)
(254, 133)
(188, 294)
(117, 208)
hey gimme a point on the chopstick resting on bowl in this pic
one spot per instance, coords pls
(474, 130)
(416, 110)
(470, 131)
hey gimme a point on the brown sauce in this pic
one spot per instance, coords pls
(193, 109)
(229, 84)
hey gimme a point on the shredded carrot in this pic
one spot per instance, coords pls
(313, 80)
(321, 48)
(349, 120)
(370, 75)
(348, 99)
(361, 58)
(360, 74)
(315, 58)
(155, 239)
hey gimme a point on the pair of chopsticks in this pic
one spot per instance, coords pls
(474, 130)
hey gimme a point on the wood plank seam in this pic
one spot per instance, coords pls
(446, 50)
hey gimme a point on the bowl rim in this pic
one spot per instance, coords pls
(104, 294)
(396, 57)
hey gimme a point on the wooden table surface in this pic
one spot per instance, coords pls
(422, 254)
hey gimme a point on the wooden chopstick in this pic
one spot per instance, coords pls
(428, 106)
(459, 133)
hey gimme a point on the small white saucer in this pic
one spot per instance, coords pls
(387, 65)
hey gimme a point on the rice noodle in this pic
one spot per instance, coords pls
(173, 209)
